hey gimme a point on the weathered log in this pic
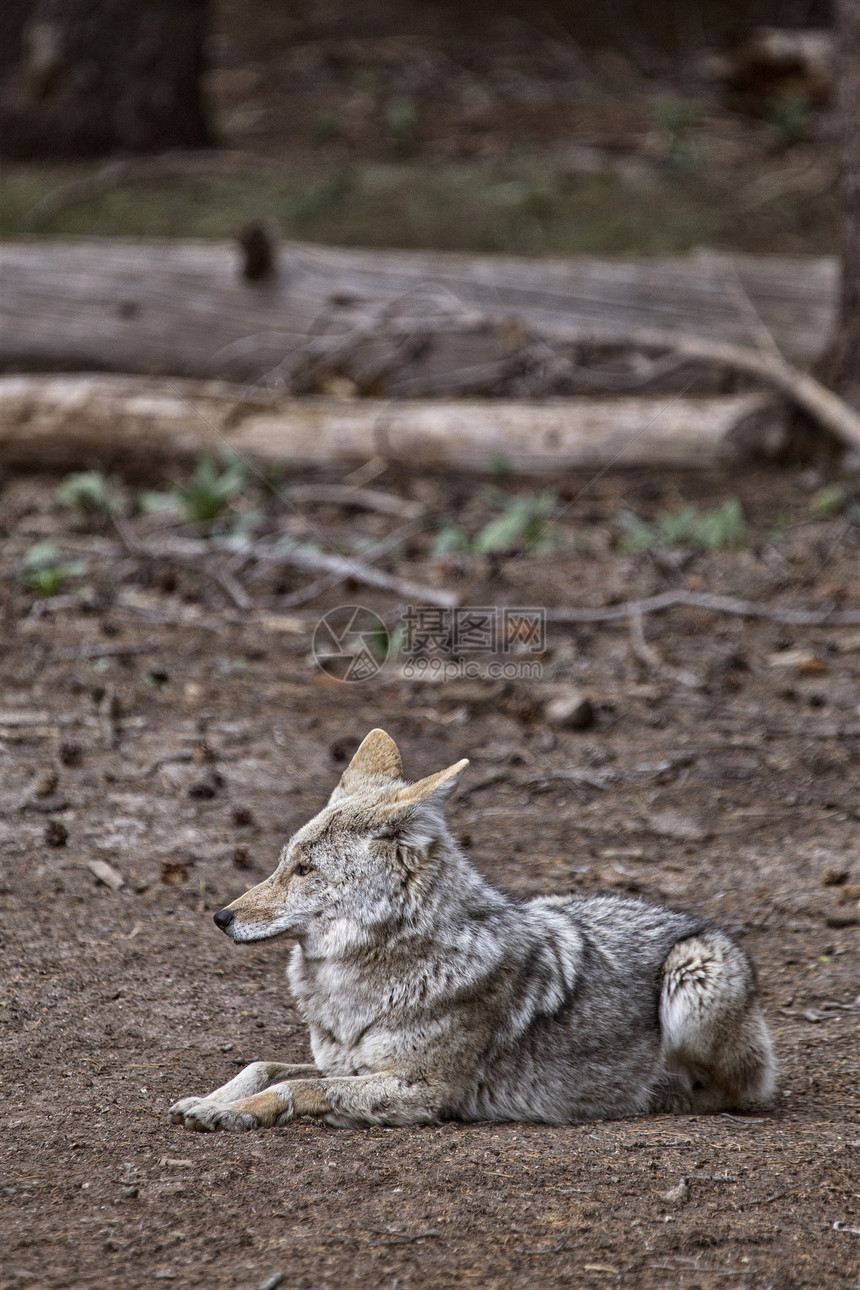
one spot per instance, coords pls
(184, 309)
(139, 425)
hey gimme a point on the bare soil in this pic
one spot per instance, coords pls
(164, 732)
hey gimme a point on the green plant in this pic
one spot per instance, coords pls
(522, 522)
(44, 572)
(158, 503)
(92, 492)
(328, 126)
(209, 492)
(401, 123)
(207, 495)
(790, 120)
(678, 123)
(833, 500)
(710, 530)
(828, 501)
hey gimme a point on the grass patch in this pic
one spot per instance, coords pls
(717, 530)
(522, 523)
(519, 206)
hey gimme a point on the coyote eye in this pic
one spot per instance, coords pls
(300, 869)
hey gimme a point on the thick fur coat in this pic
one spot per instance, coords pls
(430, 995)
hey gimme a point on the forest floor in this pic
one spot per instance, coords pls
(149, 724)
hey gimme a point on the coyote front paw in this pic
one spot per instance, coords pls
(206, 1116)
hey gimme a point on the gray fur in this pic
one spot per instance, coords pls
(430, 995)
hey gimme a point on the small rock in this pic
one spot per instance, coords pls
(241, 858)
(572, 710)
(56, 834)
(801, 661)
(242, 816)
(45, 784)
(207, 786)
(70, 754)
(173, 873)
(834, 877)
(678, 1194)
(672, 824)
(543, 741)
(107, 874)
(851, 891)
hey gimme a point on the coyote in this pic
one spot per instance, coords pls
(430, 995)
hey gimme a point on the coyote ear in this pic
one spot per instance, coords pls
(415, 815)
(377, 756)
(443, 782)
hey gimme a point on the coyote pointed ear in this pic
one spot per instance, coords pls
(443, 782)
(376, 757)
(415, 815)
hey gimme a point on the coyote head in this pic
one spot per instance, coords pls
(361, 865)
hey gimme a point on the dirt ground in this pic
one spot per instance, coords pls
(148, 723)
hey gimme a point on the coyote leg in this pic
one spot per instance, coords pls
(348, 1101)
(192, 1111)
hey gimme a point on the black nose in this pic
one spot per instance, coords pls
(223, 918)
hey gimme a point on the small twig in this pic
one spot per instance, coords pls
(713, 604)
(374, 552)
(402, 1238)
(234, 589)
(765, 1200)
(764, 336)
(652, 660)
(114, 650)
(641, 649)
(110, 711)
(602, 780)
(272, 1282)
(556, 1249)
(367, 499)
(712, 1272)
(341, 568)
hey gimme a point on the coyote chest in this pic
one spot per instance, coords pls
(348, 1024)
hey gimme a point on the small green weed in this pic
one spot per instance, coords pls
(790, 119)
(206, 497)
(328, 126)
(43, 571)
(833, 500)
(523, 522)
(401, 124)
(209, 492)
(679, 124)
(715, 530)
(92, 493)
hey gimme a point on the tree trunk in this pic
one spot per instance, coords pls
(840, 368)
(80, 78)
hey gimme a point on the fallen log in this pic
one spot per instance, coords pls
(141, 425)
(184, 309)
